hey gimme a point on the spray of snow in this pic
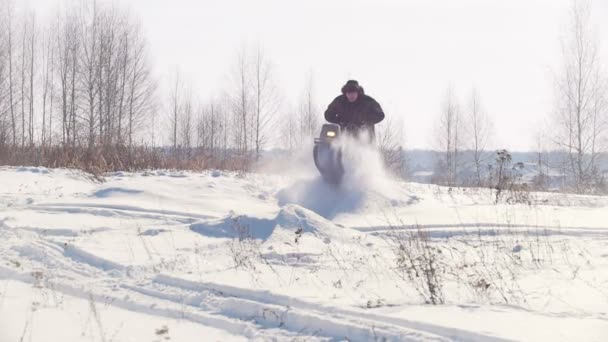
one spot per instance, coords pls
(365, 177)
(363, 165)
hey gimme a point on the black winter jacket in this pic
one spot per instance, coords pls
(357, 116)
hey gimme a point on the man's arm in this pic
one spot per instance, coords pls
(374, 113)
(332, 114)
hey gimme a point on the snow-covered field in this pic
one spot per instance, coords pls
(213, 256)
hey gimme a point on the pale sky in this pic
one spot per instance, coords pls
(404, 52)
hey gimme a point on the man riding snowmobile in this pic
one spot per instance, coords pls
(354, 113)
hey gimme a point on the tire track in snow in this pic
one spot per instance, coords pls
(254, 314)
(132, 301)
(460, 229)
(90, 276)
(122, 210)
(252, 319)
(85, 276)
(234, 297)
(293, 319)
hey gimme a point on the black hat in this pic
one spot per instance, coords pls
(351, 86)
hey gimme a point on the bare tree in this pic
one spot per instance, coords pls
(266, 99)
(140, 85)
(74, 50)
(390, 140)
(448, 129)
(308, 111)
(175, 103)
(4, 127)
(301, 122)
(89, 59)
(541, 180)
(202, 136)
(241, 102)
(581, 97)
(224, 128)
(11, 85)
(48, 54)
(479, 130)
(27, 78)
(209, 128)
(187, 121)
(29, 50)
(181, 114)
(290, 130)
(111, 35)
(67, 67)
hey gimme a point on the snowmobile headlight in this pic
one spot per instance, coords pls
(331, 134)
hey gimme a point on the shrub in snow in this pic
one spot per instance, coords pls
(422, 263)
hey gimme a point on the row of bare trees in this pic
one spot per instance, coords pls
(249, 117)
(245, 119)
(82, 80)
(17, 63)
(459, 129)
(304, 120)
(578, 128)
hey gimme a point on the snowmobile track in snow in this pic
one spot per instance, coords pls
(459, 229)
(256, 314)
(259, 315)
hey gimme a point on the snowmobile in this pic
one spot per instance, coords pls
(328, 155)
